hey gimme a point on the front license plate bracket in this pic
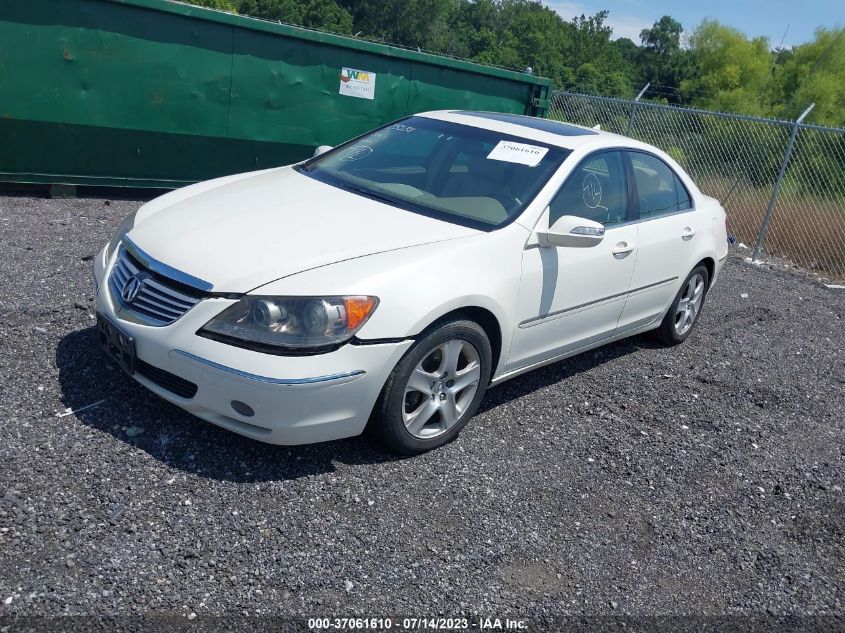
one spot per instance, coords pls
(119, 345)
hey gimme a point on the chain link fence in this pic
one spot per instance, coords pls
(782, 183)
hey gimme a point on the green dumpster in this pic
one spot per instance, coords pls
(151, 93)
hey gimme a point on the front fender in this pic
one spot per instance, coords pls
(418, 285)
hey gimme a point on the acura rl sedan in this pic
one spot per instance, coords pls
(388, 282)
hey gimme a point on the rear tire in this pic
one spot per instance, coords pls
(685, 310)
(435, 389)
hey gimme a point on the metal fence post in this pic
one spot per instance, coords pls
(773, 200)
(634, 109)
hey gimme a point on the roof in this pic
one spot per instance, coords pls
(535, 123)
(557, 133)
(566, 135)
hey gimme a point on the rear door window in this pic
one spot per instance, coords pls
(659, 189)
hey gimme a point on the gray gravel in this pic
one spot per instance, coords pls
(705, 479)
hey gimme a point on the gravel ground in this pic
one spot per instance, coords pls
(705, 479)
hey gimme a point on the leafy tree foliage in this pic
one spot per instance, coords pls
(661, 59)
(811, 73)
(731, 71)
(314, 14)
(222, 5)
(734, 73)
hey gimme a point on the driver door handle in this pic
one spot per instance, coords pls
(688, 233)
(622, 248)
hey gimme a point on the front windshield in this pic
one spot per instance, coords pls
(454, 172)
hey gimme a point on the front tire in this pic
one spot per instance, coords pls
(683, 314)
(435, 389)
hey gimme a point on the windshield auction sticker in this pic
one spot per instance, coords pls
(357, 83)
(521, 153)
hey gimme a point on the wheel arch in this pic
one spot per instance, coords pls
(484, 317)
(710, 264)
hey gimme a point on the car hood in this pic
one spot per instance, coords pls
(259, 228)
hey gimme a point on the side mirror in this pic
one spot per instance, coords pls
(572, 231)
(322, 149)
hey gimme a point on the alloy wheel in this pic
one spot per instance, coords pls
(689, 304)
(441, 388)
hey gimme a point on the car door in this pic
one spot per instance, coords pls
(669, 231)
(572, 297)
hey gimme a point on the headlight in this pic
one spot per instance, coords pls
(122, 230)
(295, 323)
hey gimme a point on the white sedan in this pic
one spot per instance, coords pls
(391, 280)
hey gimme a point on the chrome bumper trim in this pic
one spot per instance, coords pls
(269, 380)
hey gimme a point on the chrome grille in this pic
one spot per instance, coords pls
(157, 302)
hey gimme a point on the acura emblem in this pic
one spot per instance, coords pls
(131, 288)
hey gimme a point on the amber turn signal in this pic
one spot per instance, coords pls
(358, 309)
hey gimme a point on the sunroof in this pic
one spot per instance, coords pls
(546, 125)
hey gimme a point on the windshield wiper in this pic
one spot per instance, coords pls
(369, 193)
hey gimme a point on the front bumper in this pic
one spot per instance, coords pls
(296, 400)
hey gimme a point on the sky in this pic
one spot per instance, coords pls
(771, 18)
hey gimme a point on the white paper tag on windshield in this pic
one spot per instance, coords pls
(521, 153)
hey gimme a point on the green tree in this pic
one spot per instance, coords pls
(326, 15)
(534, 36)
(423, 24)
(662, 61)
(222, 5)
(811, 73)
(630, 55)
(591, 58)
(730, 71)
(663, 38)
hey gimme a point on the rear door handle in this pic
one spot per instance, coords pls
(688, 233)
(622, 248)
